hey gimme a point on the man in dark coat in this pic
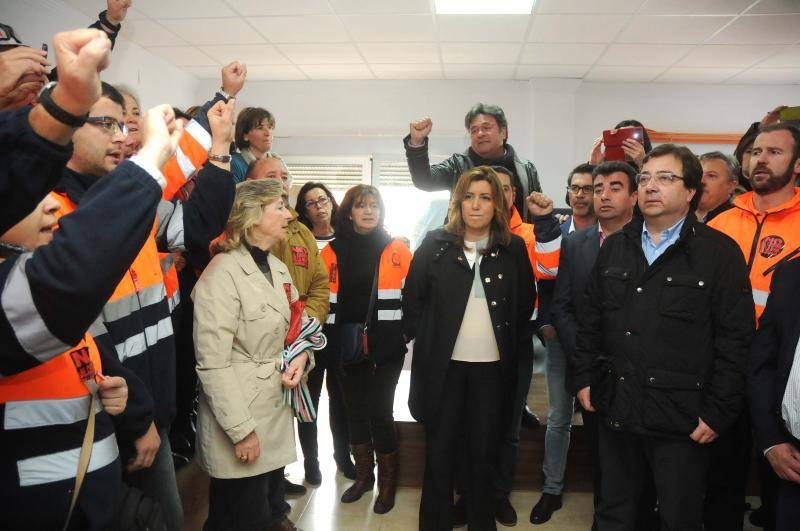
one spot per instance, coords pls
(661, 346)
(488, 131)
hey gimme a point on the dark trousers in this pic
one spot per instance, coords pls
(469, 414)
(369, 396)
(679, 468)
(768, 483)
(245, 504)
(509, 442)
(727, 477)
(337, 415)
(182, 431)
(788, 506)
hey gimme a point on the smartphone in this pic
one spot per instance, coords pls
(790, 114)
(44, 49)
(613, 138)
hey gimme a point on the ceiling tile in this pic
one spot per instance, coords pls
(249, 54)
(671, 29)
(469, 52)
(185, 8)
(211, 31)
(486, 28)
(320, 54)
(760, 29)
(150, 33)
(475, 71)
(203, 72)
(542, 53)
(576, 28)
(694, 7)
(255, 8)
(776, 7)
(789, 56)
(696, 75)
(565, 71)
(643, 54)
(587, 6)
(631, 74)
(310, 28)
(337, 71)
(767, 76)
(410, 52)
(357, 7)
(726, 56)
(184, 56)
(274, 72)
(390, 28)
(407, 71)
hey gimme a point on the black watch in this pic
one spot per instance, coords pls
(57, 112)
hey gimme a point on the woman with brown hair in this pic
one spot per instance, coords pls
(368, 376)
(467, 300)
(253, 137)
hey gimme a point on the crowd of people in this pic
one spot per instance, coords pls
(162, 301)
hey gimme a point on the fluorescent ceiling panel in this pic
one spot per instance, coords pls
(484, 7)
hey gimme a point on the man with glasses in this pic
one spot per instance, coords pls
(579, 198)
(661, 345)
(488, 131)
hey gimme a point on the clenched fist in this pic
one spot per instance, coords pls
(419, 130)
(539, 204)
(160, 132)
(80, 55)
(233, 76)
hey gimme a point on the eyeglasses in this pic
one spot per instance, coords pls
(318, 204)
(109, 124)
(578, 190)
(483, 128)
(662, 178)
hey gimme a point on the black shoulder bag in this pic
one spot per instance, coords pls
(355, 348)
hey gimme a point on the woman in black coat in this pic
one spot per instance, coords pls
(467, 300)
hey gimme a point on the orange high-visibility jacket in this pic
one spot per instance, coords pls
(767, 239)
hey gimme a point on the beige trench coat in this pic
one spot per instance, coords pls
(240, 322)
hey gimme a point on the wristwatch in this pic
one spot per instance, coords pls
(224, 94)
(219, 158)
(46, 100)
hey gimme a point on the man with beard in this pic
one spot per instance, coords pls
(579, 198)
(766, 224)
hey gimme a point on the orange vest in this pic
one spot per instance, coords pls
(766, 239)
(544, 257)
(59, 378)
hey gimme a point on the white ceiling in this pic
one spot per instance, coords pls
(669, 41)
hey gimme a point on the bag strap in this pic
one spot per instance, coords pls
(373, 295)
(83, 460)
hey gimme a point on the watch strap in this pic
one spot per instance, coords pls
(52, 108)
(223, 158)
(103, 17)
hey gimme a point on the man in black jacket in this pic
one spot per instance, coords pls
(488, 131)
(661, 346)
(774, 386)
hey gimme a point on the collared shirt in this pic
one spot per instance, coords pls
(668, 237)
(791, 397)
(601, 233)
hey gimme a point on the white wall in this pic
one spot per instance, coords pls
(155, 80)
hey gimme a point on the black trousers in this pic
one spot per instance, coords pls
(469, 413)
(245, 504)
(369, 396)
(337, 415)
(727, 477)
(509, 443)
(788, 506)
(679, 468)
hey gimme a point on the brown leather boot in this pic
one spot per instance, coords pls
(365, 472)
(387, 482)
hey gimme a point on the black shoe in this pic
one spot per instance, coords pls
(530, 419)
(548, 504)
(293, 489)
(347, 468)
(313, 475)
(458, 518)
(504, 513)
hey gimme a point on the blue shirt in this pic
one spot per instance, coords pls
(668, 237)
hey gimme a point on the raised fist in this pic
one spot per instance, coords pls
(80, 55)
(160, 135)
(233, 76)
(117, 9)
(539, 204)
(23, 72)
(419, 130)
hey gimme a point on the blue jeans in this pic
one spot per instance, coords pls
(559, 419)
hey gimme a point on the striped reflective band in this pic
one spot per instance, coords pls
(760, 297)
(36, 413)
(174, 301)
(170, 224)
(548, 247)
(390, 315)
(333, 297)
(185, 164)
(197, 131)
(389, 294)
(547, 271)
(125, 306)
(331, 318)
(63, 465)
(135, 345)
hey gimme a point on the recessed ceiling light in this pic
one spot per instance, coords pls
(484, 7)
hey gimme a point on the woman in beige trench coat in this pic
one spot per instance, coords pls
(245, 433)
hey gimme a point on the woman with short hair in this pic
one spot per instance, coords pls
(253, 137)
(467, 300)
(245, 433)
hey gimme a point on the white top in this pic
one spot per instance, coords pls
(790, 405)
(476, 341)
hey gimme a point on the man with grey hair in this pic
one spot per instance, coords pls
(719, 183)
(488, 131)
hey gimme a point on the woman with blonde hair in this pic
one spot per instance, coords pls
(245, 429)
(467, 300)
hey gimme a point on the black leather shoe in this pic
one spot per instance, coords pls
(347, 468)
(313, 475)
(548, 504)
(529, 418)
(504, 513)
(293, 489)
(458, 517)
